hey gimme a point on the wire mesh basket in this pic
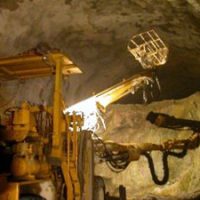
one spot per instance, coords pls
(148, 49)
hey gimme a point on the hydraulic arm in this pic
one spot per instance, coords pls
(118, 91)
(90, 107)
(119, 155)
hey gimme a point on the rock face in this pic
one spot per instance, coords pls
(95, 35)
(126, 124)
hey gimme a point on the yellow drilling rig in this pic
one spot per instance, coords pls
(44, 145)
(41, 142)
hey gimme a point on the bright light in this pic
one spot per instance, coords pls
(90, 111)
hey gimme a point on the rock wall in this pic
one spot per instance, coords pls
(126, 124)
(95, 35)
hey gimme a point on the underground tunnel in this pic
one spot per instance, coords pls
(140, 144)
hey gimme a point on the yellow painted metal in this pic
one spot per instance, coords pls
(57, 110)
(120, 90)
(68, 181)
(8, 191)
(70, 164)
(30, 66)
(11, 192)
(23, 124)
(21, 67)
(28, 168)
(136, 150)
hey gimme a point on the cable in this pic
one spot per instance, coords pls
(118, 164)
(152, 168)
(117, 161)
(165, 177)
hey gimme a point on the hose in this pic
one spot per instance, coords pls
(165, 177)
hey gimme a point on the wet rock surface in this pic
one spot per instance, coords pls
(95, 35)
(126, 124)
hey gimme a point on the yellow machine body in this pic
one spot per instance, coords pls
(118, 91)
(30, 162)
(39, 151)
(37, 155)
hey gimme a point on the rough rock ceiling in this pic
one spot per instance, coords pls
(95, 35)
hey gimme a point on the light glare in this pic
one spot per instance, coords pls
(90, 112)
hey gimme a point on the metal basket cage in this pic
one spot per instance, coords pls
(148, 49)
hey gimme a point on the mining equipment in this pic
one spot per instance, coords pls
(47, 151)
